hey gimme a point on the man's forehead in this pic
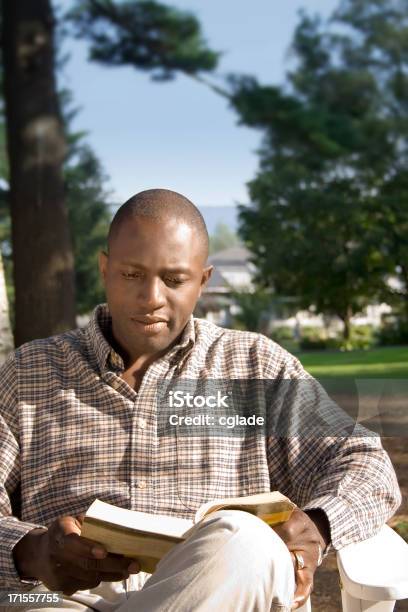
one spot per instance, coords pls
(140, 226)
(155, 234)
(177, 245)
(171, 240)
(170, 265)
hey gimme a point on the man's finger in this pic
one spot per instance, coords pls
(67, 525)
(304, 587)
(65, 535)
(73, 545)
(73, 572)
(112, 564)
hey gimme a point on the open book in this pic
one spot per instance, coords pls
(148, 537)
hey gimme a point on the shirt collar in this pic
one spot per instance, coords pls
(99, 329)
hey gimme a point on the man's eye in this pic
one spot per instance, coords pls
(174, 281)
(130, 275)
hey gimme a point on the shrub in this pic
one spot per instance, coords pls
(313, 344)
(362, 337)
(313, 339)
(282, 334)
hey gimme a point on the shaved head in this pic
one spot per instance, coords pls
(161, 204)
(154, 272)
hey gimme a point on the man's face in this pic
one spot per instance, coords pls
(153, 277)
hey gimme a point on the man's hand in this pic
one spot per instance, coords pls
(64, 561)
(307, 534)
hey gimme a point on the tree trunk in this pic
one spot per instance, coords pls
(6, 336)
(42, 250)
(346, 318)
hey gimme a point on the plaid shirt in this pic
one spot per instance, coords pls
(72, 430)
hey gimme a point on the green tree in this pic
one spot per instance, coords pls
(391, 231)
(223, 238)
(145, 34)
(89, 218)
(254, 309)
(330, 185)
(89, 208)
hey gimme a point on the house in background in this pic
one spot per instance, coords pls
(233, 271)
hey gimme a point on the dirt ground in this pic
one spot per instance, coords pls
(326, 596)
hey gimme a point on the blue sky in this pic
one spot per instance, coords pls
(179, 135)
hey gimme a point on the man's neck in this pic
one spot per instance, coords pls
(134, 377)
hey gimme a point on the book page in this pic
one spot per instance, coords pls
(139, 521)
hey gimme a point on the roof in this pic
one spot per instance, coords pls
(217, 282)
(237, 255)
(232, 270)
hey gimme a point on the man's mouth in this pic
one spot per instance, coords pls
(149, 325)
(148, 320)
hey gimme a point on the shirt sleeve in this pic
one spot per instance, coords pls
(322, 458)
(356, 486)
(11, 528)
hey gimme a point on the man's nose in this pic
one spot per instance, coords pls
(151, 294)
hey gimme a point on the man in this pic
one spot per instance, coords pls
(79, 421)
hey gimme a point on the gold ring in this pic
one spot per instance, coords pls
(300, 562)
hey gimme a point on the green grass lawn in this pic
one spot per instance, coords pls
(388, 362)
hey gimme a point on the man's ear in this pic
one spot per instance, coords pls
(103, 265)
(205, 278)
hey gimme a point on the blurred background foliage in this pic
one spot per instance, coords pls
(328, 218)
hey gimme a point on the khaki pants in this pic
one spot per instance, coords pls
(232, 561)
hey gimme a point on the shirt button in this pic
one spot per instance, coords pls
(141, 484)
(141, 423)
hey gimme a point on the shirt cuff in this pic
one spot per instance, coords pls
(327, 547)
(343, 527)
(11, 532)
